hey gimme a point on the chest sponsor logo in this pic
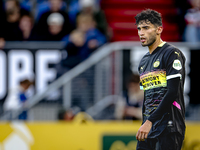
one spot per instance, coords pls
(153, 79)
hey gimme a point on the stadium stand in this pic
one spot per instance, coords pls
(98, 80)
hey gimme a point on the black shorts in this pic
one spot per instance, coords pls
(166, 141)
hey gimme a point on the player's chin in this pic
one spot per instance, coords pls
(143, 44)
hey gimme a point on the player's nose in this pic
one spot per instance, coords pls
(140, 33)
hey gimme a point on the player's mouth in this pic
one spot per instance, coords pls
(142, 39)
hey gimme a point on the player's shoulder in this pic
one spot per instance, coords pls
(146, 55)
(169, 48)
(172, 50)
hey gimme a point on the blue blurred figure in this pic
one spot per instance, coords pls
(42, 24)
(80, 43)
(17, 97)
(93, 37)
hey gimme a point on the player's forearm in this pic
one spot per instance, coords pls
(169, 98)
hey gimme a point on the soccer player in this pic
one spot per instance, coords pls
(162, 75)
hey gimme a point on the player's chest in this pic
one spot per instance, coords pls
(151, 63)
(152, 72)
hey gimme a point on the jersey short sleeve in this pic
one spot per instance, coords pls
(175, 64)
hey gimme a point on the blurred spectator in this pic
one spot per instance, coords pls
(26, 26)
(73, 10)
(43, 23)
(55, 23)
(2, 43)
(27, 4)
(66, 115)
(10, 27)
(181, 9)
(43, 6)
(17, 97)
(94, 38)
(132, 109)
(192, 18)
(73, 48)
(2, 19)
(90, 7)
(80, 43)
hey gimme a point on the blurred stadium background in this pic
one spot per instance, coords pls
(77, 84)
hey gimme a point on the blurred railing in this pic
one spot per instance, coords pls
(86, 85)
(82, 86)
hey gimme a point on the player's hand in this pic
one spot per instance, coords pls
(144, 131)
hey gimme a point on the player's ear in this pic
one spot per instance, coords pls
(159, 30)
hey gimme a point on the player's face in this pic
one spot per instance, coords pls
(147, 33)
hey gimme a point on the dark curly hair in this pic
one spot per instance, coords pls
(149, 15)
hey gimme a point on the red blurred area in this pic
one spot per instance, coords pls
(120, 16)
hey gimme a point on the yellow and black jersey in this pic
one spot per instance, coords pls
(166, 62)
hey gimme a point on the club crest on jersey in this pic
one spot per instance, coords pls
(177, 64)
(156, 64)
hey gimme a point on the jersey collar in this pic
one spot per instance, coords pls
(161, 45)
(158, 48)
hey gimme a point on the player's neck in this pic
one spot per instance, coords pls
(155, 45)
